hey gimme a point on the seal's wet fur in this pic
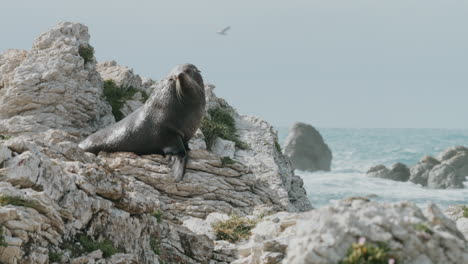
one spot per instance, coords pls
(163, 125)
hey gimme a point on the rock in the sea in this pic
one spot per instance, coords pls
(52, 85)
(325, 235)
(420, 172)
(452, 170)
(398, 172)
(306, 148)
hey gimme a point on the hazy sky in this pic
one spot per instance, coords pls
(331, 63)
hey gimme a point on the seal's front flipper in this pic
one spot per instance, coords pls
(178, 166)
(178, 159)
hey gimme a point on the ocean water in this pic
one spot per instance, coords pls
(356, 150)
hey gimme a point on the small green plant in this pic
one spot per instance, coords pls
(222, 125)
(90, 245)
(86, 52)
(145, 96)
(364, 253)
(465, 211)
(227, 161)
(277, 146)
(233, 229)
(155, 246)
(55, 256)
(2, 238)
(116, 97)
(423, 228)
(4, 137)
(17, 201)
(158, 215)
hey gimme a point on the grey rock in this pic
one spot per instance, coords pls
(306, 148)
(420, 172)
(324, 235)
(51, 86)
(398, 172)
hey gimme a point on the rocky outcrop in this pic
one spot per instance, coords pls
(306, 148)
(59, 204)
(459, 214)
(325, 235)
(52, 86)
(452, 170)
(52, 193)
(448, 171)
(420, 171)
(398, 172)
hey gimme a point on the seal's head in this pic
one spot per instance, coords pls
(188, 80)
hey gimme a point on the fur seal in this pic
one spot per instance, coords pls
(163, 125)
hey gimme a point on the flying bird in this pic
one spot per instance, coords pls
(224, 30)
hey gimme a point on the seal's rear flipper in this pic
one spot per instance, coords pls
(178, 164)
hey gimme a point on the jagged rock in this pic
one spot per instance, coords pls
(459, 214)
(398, 172)
(452, 170)
(324, 235)
(51, 86)
(420, 172)
(127, 199)
(224, 148)
(307, 149)
(122, 75)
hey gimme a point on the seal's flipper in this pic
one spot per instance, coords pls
(178, 167)
(178, 159)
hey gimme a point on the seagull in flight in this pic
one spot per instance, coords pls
(224, 30)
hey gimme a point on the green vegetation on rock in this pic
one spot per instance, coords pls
(233, 229)
(158, 215)
(227, 161)
(277, 146)
(86, 52)
(155, 246)
(423, 228)
(17, 201)
(116, 97)
(465, 211)
(222, 125)
(2, 238)
(89, 245)
(364, 253)
(4, 137)
(55, 257)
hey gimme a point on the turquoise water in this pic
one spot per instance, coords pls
(356, 150)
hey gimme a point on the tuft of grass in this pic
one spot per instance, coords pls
(465, 211)
(86, 52)
(233, 229)
(222, 125)
(158, 215)
(423, 228)
(17, 201)
(367, 254)
(145, 96)
(278, 146)
(116, 97)
(55, 256)
(155, 246)
(2, 238)
(4, 137)
(89, 245)
(227, 161)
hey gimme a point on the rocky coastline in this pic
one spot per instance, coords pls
(59, 204)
